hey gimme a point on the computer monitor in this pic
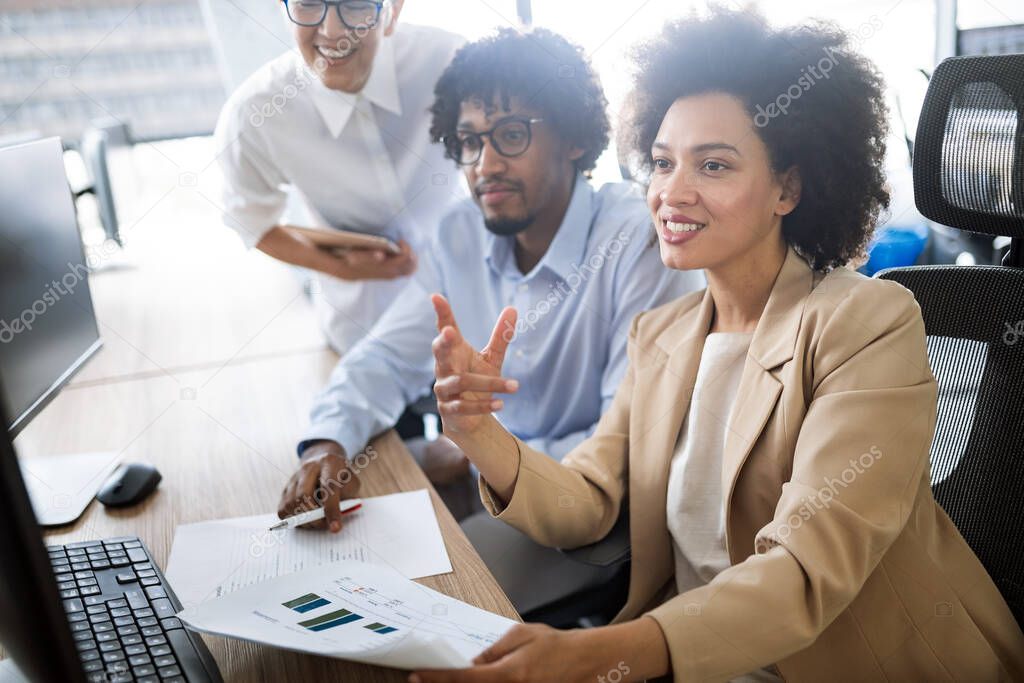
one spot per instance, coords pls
(48, 327)
(33, 626)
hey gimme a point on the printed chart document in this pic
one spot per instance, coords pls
(357, 611)
(211, 559)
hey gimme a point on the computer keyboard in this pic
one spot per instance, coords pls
(121, 613)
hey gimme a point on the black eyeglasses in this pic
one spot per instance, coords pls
(510, 138)
(354, 14)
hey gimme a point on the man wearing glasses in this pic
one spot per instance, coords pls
(524, 116)
(343, 121)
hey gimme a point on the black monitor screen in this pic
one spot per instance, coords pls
(47, 323)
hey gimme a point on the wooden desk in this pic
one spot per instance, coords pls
(221, 422)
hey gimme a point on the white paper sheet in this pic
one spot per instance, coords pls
(365, 613)
(212, 559)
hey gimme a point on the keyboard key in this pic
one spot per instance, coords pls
(75, 551)
(147, 621)
(66, 586)
(166, 660)
(155, 592)
(117, 603)
(147, 679)
(144, 670)
(127, 631)
(168, 672)
(84, 575)
(70, 593)
(80, 626)
(135, 651)
(150, 581)
(145, 572)
(120, 561)
(121, 678)
(152, 631)
(139, 613)
(79, 566)
(133, 639)
(77, 616)
(143, 567)
(101, 564)
(171, 623)
(116, 656)
(156, 640)
(93, 600)
(99, 617)
(137, 554)
(82, 635)
(84, 645)
(138, 660)
(73, 605)
(136, 599)
(110, 646)
(119, 611)
(95, 665)
(89, 656)
(64, 576)
(123, 621)
(133, 543)
(102, 628)
(126, 577)
(160, 650)
(105, 637)
(90, 590)
(97, 677)
(87, 582)
(96, 609)
(98, 550)
(163, 608)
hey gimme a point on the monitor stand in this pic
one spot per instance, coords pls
(62, 486)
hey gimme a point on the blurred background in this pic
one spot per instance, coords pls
(133, 88)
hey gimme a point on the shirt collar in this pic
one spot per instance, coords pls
(381, 90)
(568, 248)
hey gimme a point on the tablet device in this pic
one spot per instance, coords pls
(346, 239)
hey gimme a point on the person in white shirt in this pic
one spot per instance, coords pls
(344, 122)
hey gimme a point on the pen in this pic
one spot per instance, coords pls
(313, 515)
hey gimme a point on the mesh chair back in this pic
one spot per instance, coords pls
(969, 148)
(969, 174)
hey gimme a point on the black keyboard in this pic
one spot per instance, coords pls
(121, 613)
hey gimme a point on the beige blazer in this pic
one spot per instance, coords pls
(843, 566)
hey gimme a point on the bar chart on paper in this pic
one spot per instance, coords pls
(363, 612)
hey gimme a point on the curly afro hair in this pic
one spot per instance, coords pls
(815, 103)
(543, 70)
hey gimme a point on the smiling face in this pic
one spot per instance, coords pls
(343, 57)
(515, 192)
(713, 194)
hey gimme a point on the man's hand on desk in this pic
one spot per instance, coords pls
(323, 478)
(375, 264)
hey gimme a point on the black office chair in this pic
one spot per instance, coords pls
(969, 174)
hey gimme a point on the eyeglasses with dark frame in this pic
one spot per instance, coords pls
(354, 14)
(510, 137)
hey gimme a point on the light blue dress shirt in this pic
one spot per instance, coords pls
(569, 351)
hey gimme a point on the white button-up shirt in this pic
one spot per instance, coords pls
(358, 161)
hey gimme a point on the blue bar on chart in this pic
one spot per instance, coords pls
(330, 620)
(307, 602)
(380, 628)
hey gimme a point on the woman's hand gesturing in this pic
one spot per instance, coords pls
(466, 378)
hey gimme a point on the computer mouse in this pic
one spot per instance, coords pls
(129, 484)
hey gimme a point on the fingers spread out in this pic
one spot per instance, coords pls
(502, 335)
(445, 317)
(452, 386)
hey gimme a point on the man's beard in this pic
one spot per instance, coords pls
(508, 226)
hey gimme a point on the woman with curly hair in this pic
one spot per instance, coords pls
(771, 435)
